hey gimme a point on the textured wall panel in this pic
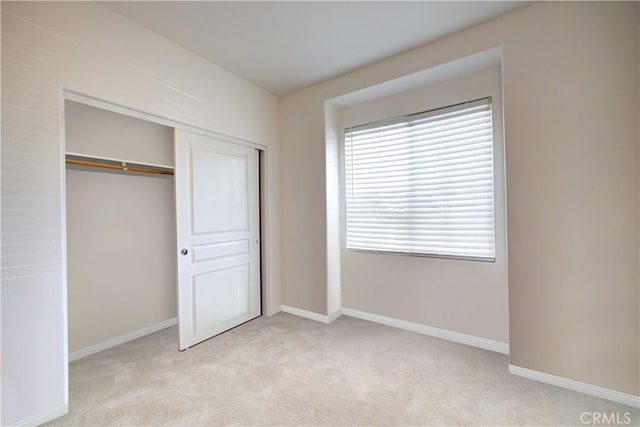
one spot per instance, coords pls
(83, 47)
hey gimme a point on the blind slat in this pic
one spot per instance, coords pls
(423, 183)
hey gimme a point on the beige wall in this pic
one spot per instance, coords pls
(121, 254)
(469, 297)
(572, 173)
(570, 86)
(97, 132)
(121, 265)
(302, 184)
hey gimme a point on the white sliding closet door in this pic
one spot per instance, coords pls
(218, 236)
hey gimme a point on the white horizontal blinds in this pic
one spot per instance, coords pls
(423, 184)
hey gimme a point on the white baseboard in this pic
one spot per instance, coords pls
(335, 315)
(43, 417)
(310, 314)
(486, 344)
(274, 309)
(104, 345)
(592, 390)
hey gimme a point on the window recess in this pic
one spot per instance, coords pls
(423, 184)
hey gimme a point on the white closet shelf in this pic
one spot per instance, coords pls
(84, 160)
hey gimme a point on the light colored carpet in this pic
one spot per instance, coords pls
(286, 370)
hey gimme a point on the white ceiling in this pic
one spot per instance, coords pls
(285, 46)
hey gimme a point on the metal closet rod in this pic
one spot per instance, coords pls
(123, 166)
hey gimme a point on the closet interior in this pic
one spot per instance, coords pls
(121, 226)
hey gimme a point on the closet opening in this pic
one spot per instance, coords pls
(124, 261)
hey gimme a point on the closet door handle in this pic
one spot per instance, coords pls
(184, 251)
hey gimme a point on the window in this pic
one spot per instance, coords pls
(423, 184)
